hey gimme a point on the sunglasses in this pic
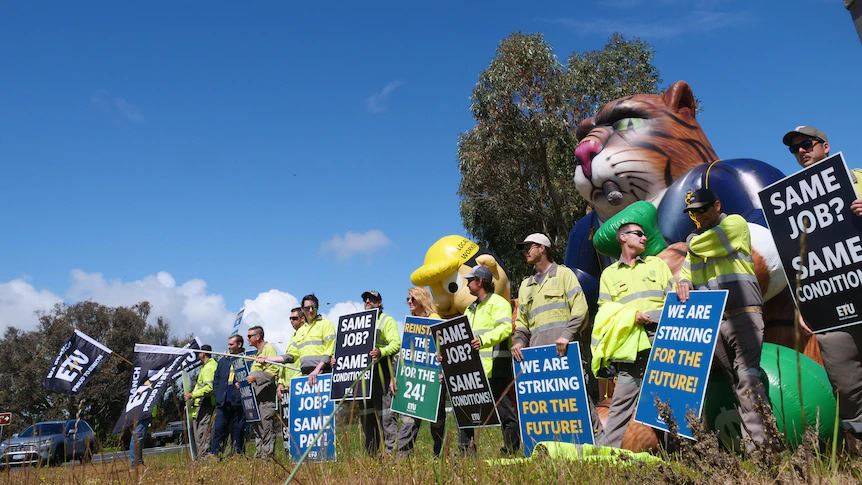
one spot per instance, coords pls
(805, 145)
(410, 299)
(251, 335)
(308, 308)
(293, 319)
(637, 233)
(701, 210)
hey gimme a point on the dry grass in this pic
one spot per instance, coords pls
(700, 462)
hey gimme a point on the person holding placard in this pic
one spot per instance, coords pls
(841, 348)
(388, 344)
(229, 416)
(490, 318)
(203, 401)
(631, 296)
(263, 377)
(719, 258)
(420, 304)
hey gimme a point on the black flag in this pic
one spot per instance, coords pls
(154, 367)
(76, 362)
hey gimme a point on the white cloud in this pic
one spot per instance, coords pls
(19, 302)
(188, 308)
(116, 105)
(271, 310)
(344, 247)
(378, 102)
(343, 308)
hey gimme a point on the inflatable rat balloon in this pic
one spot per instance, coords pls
(446, 263)
(650, 147)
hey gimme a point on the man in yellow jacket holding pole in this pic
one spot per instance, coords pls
(631, 296)
(203, 401)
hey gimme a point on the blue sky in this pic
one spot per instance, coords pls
(211, 153)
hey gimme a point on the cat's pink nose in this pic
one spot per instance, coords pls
(585, 152)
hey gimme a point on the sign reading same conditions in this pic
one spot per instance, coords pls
(814, 205)
(355, 338)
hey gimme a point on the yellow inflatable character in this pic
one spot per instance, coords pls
(446, 263)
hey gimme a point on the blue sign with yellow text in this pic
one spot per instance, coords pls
(552, 397)
(680, 359)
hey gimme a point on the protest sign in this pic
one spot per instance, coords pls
(241, 370)
(465, 378)
(552, 397)
(237, 321)
(355, 337)
(815, 203)
(284, 404)
(417, 380)
(681, 357)
(75, 363)
(311, 410)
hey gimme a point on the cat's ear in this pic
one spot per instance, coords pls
(585, 127)
(680, 98)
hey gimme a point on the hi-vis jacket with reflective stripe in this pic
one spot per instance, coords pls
(491, 321)
(203, 390)
(550, 310)
(312, 344)
(623, 291)
(720, 259)
(268, 350)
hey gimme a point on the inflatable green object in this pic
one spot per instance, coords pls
(789, 405)
(640, 212)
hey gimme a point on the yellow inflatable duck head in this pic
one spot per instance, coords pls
(446, 263)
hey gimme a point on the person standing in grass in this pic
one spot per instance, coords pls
(263, 377)
(229, 415)
(203, 401)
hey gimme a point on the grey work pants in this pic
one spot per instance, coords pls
(399, 430)
(264, 431)
(738, 352)
(624, 401)
(843, 361)
(203, 429)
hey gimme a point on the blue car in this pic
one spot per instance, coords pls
(50, 443)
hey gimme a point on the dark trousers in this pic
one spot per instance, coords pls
(371, 411)
(229, 421)
(438, 428)
(508, 421)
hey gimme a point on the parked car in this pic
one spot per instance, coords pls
(50, 443)
(173, 433)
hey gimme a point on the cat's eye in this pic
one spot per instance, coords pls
(628, 124)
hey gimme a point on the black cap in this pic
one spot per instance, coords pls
(372, 294)
(207, 347)
(698, 199)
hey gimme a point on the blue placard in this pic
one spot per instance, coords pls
(681, 357)
(250, 409)
(552, 397)
(310, 409)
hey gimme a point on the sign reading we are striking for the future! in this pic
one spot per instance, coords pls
(681, 357)
(468, 386)
(815, 203)
(417, 380)
(552, 397)
(355, 337)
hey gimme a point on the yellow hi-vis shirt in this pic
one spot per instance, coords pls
(491, 321)
(720, 258)
(554, 308)
(312, 344)
(204, 386)
(625, 290)
(268, 350)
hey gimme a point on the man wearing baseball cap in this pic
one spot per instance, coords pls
(490, 318)
(719, 258)
(841, 349)
(388, 345)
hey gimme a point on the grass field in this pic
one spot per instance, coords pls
(700, 462)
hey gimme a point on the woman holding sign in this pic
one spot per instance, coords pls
(421, 305)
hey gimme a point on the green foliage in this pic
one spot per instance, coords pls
(517, 163)
(25, 358)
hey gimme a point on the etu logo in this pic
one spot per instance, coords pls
(846, 310)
